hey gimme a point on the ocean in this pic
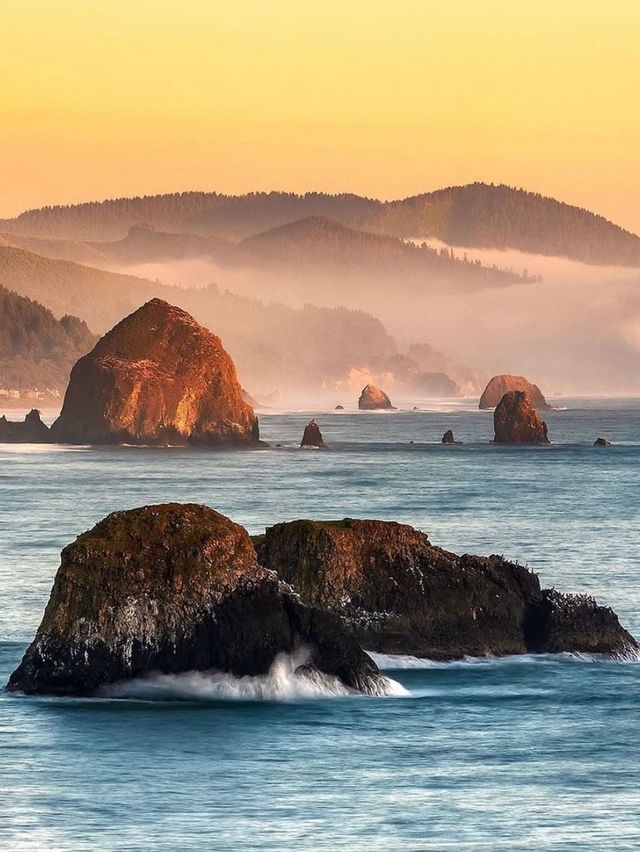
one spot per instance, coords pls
(493, 754)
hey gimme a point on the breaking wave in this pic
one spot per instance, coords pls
(399, 662)
(283, 682)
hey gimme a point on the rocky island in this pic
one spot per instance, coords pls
(158, 377)
(31, 431)
(374, 399)
(176, 588)
(396, 593)
(516, 421)
(505, 383)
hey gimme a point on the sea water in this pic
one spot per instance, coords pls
(493, 754)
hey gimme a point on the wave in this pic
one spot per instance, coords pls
(283, 682)
(400, 662)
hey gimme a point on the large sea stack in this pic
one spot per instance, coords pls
(374, 399)
(175, 588)
(516, 421)
(398, 594)
(499, 385)
(156, 378)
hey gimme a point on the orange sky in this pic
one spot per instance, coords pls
(100, 98)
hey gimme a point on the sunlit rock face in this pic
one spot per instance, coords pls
(516, 421)
(175, 588)
(372, 399)
(499, 385)
(157, 377)
(396, 593)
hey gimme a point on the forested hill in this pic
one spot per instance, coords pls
(476, 215)
(36, 349)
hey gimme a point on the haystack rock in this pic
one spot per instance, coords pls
(516, 421)
(499, 385)
(312, 436)
(156, 378)
(372, 399)
(176, 588)
(31, 431)
(398, 594)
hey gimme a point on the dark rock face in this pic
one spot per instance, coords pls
(448, 438)
(175, 588)
(31, 431)
(601, 442)
(372, 399)
(312, 436)
(499, 385)
(397, 593)
(157, 377)
(517, 422)
(339, 407)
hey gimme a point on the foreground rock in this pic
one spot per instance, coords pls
(499, 385)
(175, 588)
(398, 594)
(601, 442)
(31, 431)
(516, 421)
(312, 436)
(156, 378)
(373, 399)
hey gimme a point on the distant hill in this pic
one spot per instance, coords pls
(36, 349)
(475, 215)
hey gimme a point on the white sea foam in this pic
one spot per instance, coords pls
(397, 662)
(281, 683)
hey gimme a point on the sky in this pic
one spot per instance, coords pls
(106, 98)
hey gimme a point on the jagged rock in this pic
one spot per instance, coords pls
(516, 421)
(312, 436)
(372, 399)
(157, 377)
(396, 593)
(499, 385)
(175, 588)
(601, 442)
(448, 438)
(31, 431)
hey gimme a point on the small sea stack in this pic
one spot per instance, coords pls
(448, 438)
(374, 399)
(339, 407)
(175, 588)
(312, 436)
(499, 385)
(516, 421)
(31, 431)
(601, 442)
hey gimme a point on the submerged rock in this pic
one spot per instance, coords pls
(372, 399)
(398, 594)
(601, 442)
(312, 436)
(175, 588)
(517, 422)
(31, 431)
(448, 438)
(157, 377)
(499, 385)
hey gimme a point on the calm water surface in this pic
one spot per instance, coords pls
(477, 755)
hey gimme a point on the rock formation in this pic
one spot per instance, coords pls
(499, 385)
(397, 593)
(175, 588)
(448, 438)
(516, 421)
(372, 399)
(31, 431)
(601, 442)
(339, 407)
(157, 377)
(312, 436)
